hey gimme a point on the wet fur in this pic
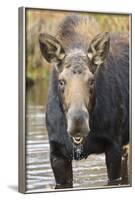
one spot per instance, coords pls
(109, 120)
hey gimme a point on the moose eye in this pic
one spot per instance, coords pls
(91, 82)
(61, 83)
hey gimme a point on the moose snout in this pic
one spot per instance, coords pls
(78, 123)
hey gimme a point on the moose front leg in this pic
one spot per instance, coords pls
(113, 163)
(62, 169)
(124, 171)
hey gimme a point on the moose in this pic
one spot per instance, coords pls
(88, 97)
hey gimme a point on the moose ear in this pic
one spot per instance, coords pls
(51, 48)
(99, 48)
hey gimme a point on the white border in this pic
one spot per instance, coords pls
(9, 97)
(22, 122)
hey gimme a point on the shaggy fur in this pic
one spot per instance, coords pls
(109, 119)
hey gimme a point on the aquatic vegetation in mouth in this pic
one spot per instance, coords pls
(77, 151)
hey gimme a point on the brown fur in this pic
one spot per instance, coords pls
(87, 68)
(77, 31)
(76, 93)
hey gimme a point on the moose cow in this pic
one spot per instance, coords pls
(88, 99)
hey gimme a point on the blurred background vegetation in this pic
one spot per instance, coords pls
(47, 21)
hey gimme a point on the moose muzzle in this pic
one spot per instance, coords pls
(78, 124)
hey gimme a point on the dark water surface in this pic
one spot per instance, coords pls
(39, 176)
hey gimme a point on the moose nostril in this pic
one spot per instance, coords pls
(78, 123)
(79, 116)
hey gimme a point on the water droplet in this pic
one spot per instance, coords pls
(77, 152)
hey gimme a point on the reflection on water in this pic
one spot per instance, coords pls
(39, 176)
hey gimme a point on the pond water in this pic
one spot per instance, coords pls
(87, 173)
